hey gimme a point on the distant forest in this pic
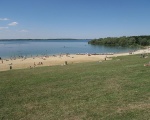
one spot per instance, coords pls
(122, 41)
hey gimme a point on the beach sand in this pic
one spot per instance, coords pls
(33, 62)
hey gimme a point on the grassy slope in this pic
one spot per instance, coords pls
(117, 89)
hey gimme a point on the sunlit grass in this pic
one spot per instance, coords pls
(116, 89)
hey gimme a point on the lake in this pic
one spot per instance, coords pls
(14, 48)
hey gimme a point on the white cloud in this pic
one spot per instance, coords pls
(2, 28)
(13, 24)
(4, 19)
(24, 31)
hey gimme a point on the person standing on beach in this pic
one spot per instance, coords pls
(34, 64)
(10, 67)
(105, 57)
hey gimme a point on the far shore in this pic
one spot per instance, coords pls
(33, 62)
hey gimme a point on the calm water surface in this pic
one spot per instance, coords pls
(14, 48)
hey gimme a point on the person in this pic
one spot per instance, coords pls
(143, 56)
(105, 57)
(10, 67)
(66, 63)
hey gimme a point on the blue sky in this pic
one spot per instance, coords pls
(73, 18)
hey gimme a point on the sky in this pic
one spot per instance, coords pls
(79, 19)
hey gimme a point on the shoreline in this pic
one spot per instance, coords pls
(38, 61)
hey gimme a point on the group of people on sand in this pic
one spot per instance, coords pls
(40, 63)
(10, 67)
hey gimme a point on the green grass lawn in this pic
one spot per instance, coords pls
(110, 90)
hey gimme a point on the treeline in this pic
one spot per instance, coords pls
(122, 41)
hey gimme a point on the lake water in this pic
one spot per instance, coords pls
(14, 48)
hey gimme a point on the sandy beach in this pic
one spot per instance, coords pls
(33, 62)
